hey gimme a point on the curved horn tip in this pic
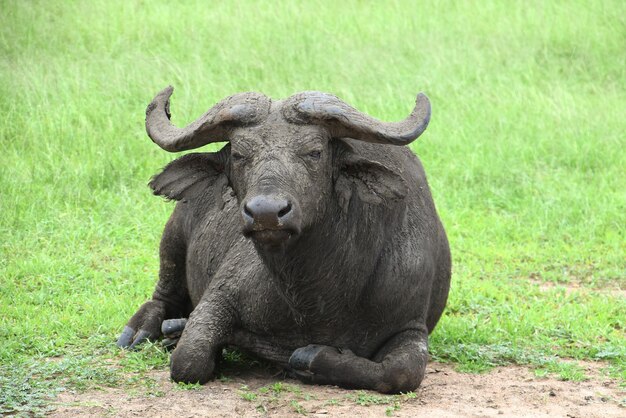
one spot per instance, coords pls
(161, 100)
(422, 100)
(165, 93)
(422, 107)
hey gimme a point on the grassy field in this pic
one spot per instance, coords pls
(525, 154)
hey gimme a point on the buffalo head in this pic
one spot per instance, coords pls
(286, 159)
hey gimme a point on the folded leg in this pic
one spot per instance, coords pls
(399, 366)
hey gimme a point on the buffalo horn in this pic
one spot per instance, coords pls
(345, 121)
(240, 109)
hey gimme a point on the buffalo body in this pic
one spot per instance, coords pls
(311, 239)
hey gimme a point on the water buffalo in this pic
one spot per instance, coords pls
(311, 240)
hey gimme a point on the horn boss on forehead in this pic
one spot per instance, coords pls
(345, 121)
(239, 109)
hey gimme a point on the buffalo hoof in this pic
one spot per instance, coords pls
(172, 328)
(130, 338)
(143, 326)
(312, 357)
(126, 338)
(302, 358)
(191, 366)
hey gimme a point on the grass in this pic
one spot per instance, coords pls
(525, 155)
(268, 397)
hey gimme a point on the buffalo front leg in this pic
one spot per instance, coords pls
(399, 366)
(206, 331)
(170, 298)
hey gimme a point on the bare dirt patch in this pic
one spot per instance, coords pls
(506, 391)
(569, 288)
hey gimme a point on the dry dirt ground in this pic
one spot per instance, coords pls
(506, 391)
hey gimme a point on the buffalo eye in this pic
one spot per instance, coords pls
(314, 155)
(237, 156)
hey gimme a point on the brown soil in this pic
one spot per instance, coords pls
(506, 391)
(615, 290)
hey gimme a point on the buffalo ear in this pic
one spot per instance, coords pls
(370, 181)
(194, 175)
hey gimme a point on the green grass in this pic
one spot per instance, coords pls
(525, 155)
(280, 393)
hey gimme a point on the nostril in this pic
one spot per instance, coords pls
(247, 211)
(285, 210)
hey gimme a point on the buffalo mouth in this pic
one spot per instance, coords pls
(270, 238)
(270, 220)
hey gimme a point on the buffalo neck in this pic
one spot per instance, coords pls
(322, 273)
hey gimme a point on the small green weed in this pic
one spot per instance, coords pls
(393, 402)
(150, 356)
(409, 395)
(235, 358)
(564, 371)
(223, 378)
(148, 386)
(246, 394)
(232, 355)
(279, 388)
(187, 386)
(366, 399)
(392, 408)
(276, 393)
(299, 409)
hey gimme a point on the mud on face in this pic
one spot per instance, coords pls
(281, 174)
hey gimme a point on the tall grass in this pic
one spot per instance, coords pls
(525, 152)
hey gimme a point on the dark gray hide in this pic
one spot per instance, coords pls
(310, 240)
